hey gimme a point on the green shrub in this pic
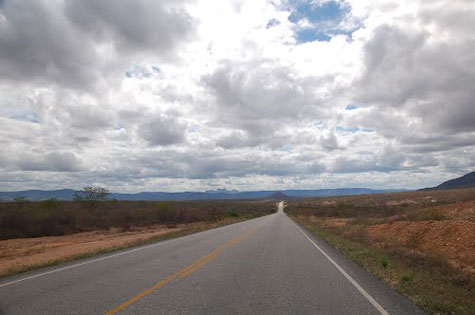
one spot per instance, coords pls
(20, 201)
(233, 214)
(51, 203)
(384, 262)
(428, 215)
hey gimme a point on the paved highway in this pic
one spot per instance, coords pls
(267, 265)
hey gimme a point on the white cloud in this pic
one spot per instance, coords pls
(191, 95)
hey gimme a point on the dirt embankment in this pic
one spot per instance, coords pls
(443, 231)
(422, 243)
(451, 239)
(17, 255)
(459, 210)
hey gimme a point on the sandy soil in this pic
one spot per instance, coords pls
(20, 254)
(400, 202)
(451, 239)
(329, 202)
(337, 222)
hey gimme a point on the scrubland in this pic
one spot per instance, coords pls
(36, 234)
(422, 243)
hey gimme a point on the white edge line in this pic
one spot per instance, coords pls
(347, 276)
(121, 253)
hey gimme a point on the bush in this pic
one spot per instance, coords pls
(384, 262)
(51, 203)
(233, 214)
(428, 215)
(53, 217)
(20, 201)
(91, 196)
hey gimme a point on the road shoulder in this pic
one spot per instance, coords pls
(386, 296)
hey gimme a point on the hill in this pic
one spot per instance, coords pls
(34, 195)
(467, 180)
(220, 194)
(277, 196)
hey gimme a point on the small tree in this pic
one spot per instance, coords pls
(91, 196)
(20, 201)
(51, 203)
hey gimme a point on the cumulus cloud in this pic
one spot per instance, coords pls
(37, 44)
(408, 71)
(133, 26)
(80, 43)
(163, 131)
(329, 142)
(260, 99)
(47, 162)
(425, 71)
(177, 95)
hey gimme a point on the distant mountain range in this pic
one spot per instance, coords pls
(219, 194)
(467, 180)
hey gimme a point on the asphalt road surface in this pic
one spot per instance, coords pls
(267, 265)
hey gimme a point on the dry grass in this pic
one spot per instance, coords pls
(453, 240)
(37, 234)
(51, 217)
(18, 255)
(426, 239)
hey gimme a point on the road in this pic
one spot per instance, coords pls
(267, 265)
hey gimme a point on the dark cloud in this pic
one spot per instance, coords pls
(259, 96)
(329, 142)
(49, 162)
(71, 43)
(133, 26)
(37, 43)
(200, 165)
(268, 138)
(387, 160)
(437, 143)
(146, 95)
(163, 131)
(428, 82)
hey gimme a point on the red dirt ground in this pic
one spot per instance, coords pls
(451, 239)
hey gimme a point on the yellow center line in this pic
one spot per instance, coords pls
(182, 273)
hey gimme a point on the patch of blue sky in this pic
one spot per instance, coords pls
(118, 127)
(319, 125)
(311, 35)
(324, 19)
(351, 107)
(367, 129)
(30, 117)
(314, 12)
(347, 129)
(140, 72)
(286, 148)
(354, 129)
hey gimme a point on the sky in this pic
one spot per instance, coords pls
(193, 95)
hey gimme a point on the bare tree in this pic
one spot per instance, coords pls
(91, 196)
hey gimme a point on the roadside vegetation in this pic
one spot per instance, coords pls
(421, 243)
(38, 234)
(92, 211)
